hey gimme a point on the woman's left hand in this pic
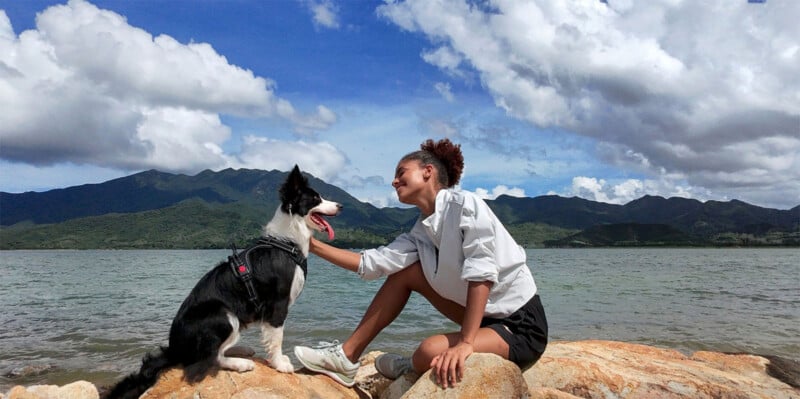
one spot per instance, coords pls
(448, 366)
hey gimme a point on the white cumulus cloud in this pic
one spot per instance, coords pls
(86, 87)
(705, 89)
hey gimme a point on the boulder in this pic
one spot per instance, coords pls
(75, 390)
(262, 382)
(485, 376)
(608, 369)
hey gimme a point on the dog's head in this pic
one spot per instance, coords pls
(300, 200)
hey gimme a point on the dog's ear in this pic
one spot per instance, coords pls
(294, 182)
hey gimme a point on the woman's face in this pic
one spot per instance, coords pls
(410, 178)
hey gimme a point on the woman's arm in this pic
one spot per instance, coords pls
(340, 257)
(448, 367)
(477, 296)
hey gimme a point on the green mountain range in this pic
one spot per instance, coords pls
(212, 209)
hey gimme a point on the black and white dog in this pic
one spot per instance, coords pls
(255, 286)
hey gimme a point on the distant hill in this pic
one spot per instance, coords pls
(628, 234)
(209, 210)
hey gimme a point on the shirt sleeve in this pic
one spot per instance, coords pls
(477, 228)
(389, 259)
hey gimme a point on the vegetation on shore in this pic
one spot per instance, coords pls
(214, 209)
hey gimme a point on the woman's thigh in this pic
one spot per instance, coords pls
(414, 279)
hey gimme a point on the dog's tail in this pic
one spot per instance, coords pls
(134, 385)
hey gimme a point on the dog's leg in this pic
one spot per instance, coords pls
(272, 338)
(233, 363)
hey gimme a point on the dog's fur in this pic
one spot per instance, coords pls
(209, 320)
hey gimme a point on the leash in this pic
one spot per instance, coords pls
(240, 263)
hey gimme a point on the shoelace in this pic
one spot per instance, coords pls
(329, 346)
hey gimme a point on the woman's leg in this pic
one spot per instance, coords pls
(486, 341)
(389, 301)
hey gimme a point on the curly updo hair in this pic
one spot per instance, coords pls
(445, 157)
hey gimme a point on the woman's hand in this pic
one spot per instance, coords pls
(448, 366)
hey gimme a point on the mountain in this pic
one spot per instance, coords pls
(211, 209)
(627, 234)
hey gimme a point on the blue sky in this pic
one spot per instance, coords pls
(605, 100)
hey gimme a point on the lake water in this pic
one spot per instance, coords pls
(92, 314)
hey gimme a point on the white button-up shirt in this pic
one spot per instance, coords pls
(461, 241)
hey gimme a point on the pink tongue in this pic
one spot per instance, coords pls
(328, 227)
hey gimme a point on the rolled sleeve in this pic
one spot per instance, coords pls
(478, 246)
(389, 259)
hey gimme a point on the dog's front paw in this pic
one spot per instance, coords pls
(282, 364)
(237, 364)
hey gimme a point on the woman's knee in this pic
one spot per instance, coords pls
(427, 350)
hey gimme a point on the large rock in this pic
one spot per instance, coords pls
(262, 382)
(485, 376)
(607, 369)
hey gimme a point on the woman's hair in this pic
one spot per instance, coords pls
(445, 157)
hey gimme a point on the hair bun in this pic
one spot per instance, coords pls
(450, 155)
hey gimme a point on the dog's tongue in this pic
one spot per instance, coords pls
(326, 227)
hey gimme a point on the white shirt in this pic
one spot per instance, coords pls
(461, 241)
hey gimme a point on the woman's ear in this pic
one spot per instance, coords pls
(428, 172)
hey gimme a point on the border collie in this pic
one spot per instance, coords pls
(255, 286)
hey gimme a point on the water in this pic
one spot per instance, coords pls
(92, 314)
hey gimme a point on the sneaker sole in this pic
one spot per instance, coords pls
(338, 378)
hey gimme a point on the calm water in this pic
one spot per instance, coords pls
(92, 314)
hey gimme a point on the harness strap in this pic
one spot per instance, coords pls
(240, 263)
(241, 269)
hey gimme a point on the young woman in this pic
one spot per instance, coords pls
(461, 259)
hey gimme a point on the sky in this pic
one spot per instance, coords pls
(604, 100)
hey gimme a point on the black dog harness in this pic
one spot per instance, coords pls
(241, 262)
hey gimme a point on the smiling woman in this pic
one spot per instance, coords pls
(461, 259)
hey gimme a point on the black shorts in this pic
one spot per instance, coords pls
(525, 331)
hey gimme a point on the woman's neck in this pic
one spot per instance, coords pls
(427, 202)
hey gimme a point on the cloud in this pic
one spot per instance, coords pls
(88, 88)
(320, 159)
(656, 85)
(324, 13)
(628, 190)
(498, 191)
(444, 90)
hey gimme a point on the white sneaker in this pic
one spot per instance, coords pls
(329, 358)
(393, 366)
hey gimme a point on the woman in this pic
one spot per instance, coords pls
(461, 259)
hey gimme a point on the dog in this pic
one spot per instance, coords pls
(255, 286)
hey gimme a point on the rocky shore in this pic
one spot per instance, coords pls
(575, 369)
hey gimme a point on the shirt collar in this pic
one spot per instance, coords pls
(433, 223)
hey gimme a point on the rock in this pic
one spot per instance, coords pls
(607, 369)
(75, 390)
(485, 376)
(370, 380)
(568, 370)
(262, 382)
